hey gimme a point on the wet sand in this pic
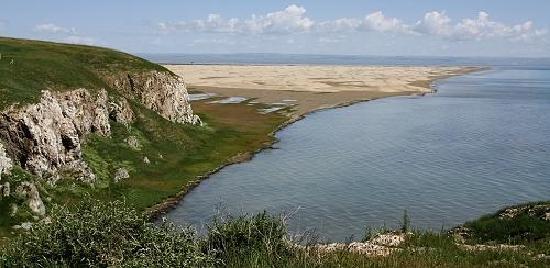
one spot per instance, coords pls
(309, 88)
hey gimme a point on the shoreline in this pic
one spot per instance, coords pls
(159, 209)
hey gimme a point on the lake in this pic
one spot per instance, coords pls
(480, 143)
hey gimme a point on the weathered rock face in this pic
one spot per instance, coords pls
(120, 111)
(5, 162)
(46, 137)
(161, 92)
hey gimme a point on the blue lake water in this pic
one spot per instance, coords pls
(480, 143)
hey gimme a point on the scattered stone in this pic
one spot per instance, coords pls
(460, 233)
(5, 189)
(392, 239)
(379, 245)
(47, 220)
(121, 173)
(14, 209)
(28, 191)
(5, 162)
(541, 257)
(366, 248)
(499, 247)
(26, 226)
(133, 142)
(146, 160)
(541, 211)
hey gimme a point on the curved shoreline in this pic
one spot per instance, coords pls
(170, 203)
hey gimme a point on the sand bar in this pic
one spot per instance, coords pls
(312, 87)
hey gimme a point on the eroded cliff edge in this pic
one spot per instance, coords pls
(45, 138)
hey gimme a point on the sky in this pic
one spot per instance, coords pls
(494, 28)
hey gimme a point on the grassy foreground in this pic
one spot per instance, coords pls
(109, 234)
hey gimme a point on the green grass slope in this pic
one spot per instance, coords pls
(27, 67)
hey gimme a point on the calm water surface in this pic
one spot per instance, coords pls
(481, 143)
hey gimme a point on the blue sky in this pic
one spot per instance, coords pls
(391, 27)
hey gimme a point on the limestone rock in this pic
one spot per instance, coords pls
(26, 226)
(46, 137)
(5, 162)
(5, 189)
(28, 190)
(121, 174)
(133, 142)
(365, 248)
(120, 111)
(161, 92)
(392, 239)
(14, 209)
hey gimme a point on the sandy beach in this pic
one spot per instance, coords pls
(307, 88)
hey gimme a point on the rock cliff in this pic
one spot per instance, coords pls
(161, 92)
(45, 138)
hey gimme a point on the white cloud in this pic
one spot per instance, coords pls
(76, 39)
(434, 23)
(63, 34)
(339, 25)
(293, 19)
(289, 20)
(52, 28)
(439, 24)
(379, 23)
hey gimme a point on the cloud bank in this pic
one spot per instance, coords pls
(54, 29)
(293, 20)
(63, 34)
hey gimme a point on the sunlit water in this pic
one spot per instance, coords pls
(480, 143)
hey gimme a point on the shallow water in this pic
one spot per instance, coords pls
(480, 143)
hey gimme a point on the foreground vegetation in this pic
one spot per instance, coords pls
(110, 234)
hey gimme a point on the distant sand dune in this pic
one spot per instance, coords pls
(313, 87)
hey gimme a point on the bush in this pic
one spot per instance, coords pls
(526, 226)
(102, 234)
(261, 236)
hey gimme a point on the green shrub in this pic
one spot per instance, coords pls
(249, 238)
(527, 226)
(103, 235)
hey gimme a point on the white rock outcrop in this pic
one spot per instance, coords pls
(161, 92)
(46, 137)
(28, 191)
(120, 111)
(121, 174)
(5, 162)
(133, 142)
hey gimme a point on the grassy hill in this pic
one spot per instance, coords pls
(179, 154)
(27, 67)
